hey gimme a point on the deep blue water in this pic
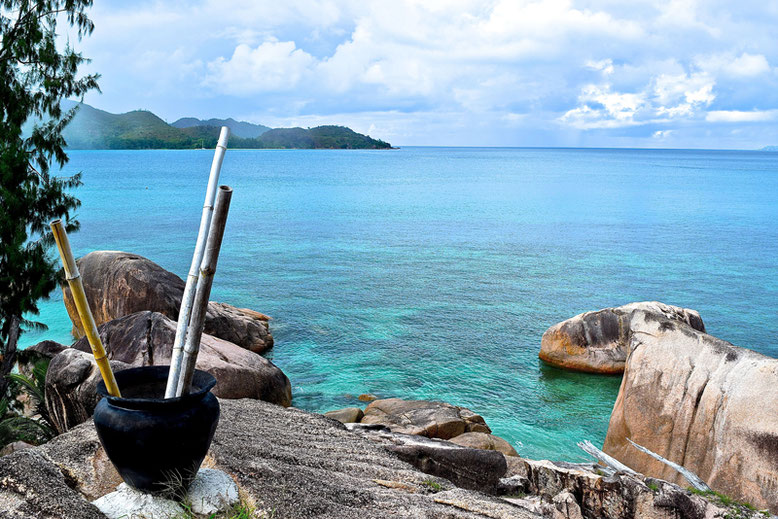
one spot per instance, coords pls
(433, 272)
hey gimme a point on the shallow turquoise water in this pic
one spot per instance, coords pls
(433, 272)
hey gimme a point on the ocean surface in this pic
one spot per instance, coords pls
(433, 272)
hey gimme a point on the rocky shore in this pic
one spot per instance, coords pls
(293, 464)
(689, 397)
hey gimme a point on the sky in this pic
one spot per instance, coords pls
(597, 73)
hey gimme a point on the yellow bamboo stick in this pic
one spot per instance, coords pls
(84, 312)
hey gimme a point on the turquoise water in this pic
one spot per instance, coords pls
(433, 272)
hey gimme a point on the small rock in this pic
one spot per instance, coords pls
(13, 447)
(367, 397)
(424, 418)
(212, 491)
(347, 415)
(489, 442)
(127, 502)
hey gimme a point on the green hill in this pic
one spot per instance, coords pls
(237, 128)
(97, 129)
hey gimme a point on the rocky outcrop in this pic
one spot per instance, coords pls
(489, 442)
(119, 283)
(293, 464)
(597, 342)
(289, 463)
(702, 403)
(424, 418)
(145, 339)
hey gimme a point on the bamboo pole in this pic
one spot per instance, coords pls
(185, 312)
(207, 270)
(84, 312)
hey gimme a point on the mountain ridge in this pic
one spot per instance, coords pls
(92, 128)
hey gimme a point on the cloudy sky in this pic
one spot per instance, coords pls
(610, 73)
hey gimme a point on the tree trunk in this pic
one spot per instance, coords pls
(8, 356)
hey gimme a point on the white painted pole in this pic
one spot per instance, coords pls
(185, 312)
(204, 282)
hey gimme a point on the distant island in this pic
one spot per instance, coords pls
(94, 129)
(770, 148)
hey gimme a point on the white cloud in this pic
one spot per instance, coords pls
(744, 66)
(274, 65)
(738, 116)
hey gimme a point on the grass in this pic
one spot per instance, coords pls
(653, 486)
(432, 485)
(738, 510)
(241, 510)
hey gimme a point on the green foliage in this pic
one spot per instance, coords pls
(14, 425)
(242, 510)
(432, 485)
(737, 510)
(653, 486)
(35, 75)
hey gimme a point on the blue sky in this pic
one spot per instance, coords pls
(609, 73)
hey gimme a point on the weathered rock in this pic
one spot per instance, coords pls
(346, 415)
(120, 283)
(145, 339)
(597, 342)
(700, 402)
(367, 397)
(14, 446)
(424, 418)
(288, 463)
(479, 440)
(45, 350)
(618, 496)
(469, 468)
(71, 387)
(32, 486)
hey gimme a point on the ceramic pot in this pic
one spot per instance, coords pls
(157, 444)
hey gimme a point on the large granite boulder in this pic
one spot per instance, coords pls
(120, 283)
(145, 339)
(702, 403)
(424, 418)
(597, 342)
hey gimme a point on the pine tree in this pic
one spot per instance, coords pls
(35, 76)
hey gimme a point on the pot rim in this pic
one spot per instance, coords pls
(202, 383)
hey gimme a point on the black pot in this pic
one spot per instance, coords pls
(157, 444)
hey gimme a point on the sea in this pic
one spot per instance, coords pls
(432, 273)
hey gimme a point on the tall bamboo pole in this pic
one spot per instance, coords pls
(207, 270)
(82, 306)
(185, 312)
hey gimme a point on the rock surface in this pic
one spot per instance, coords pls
(424, 418)
(597, 342)
(288, 463)
(44, 350)
(145, 339)
(479, 440)
(702, 403)
(292, 464)
(346, 415)
(120, 283)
